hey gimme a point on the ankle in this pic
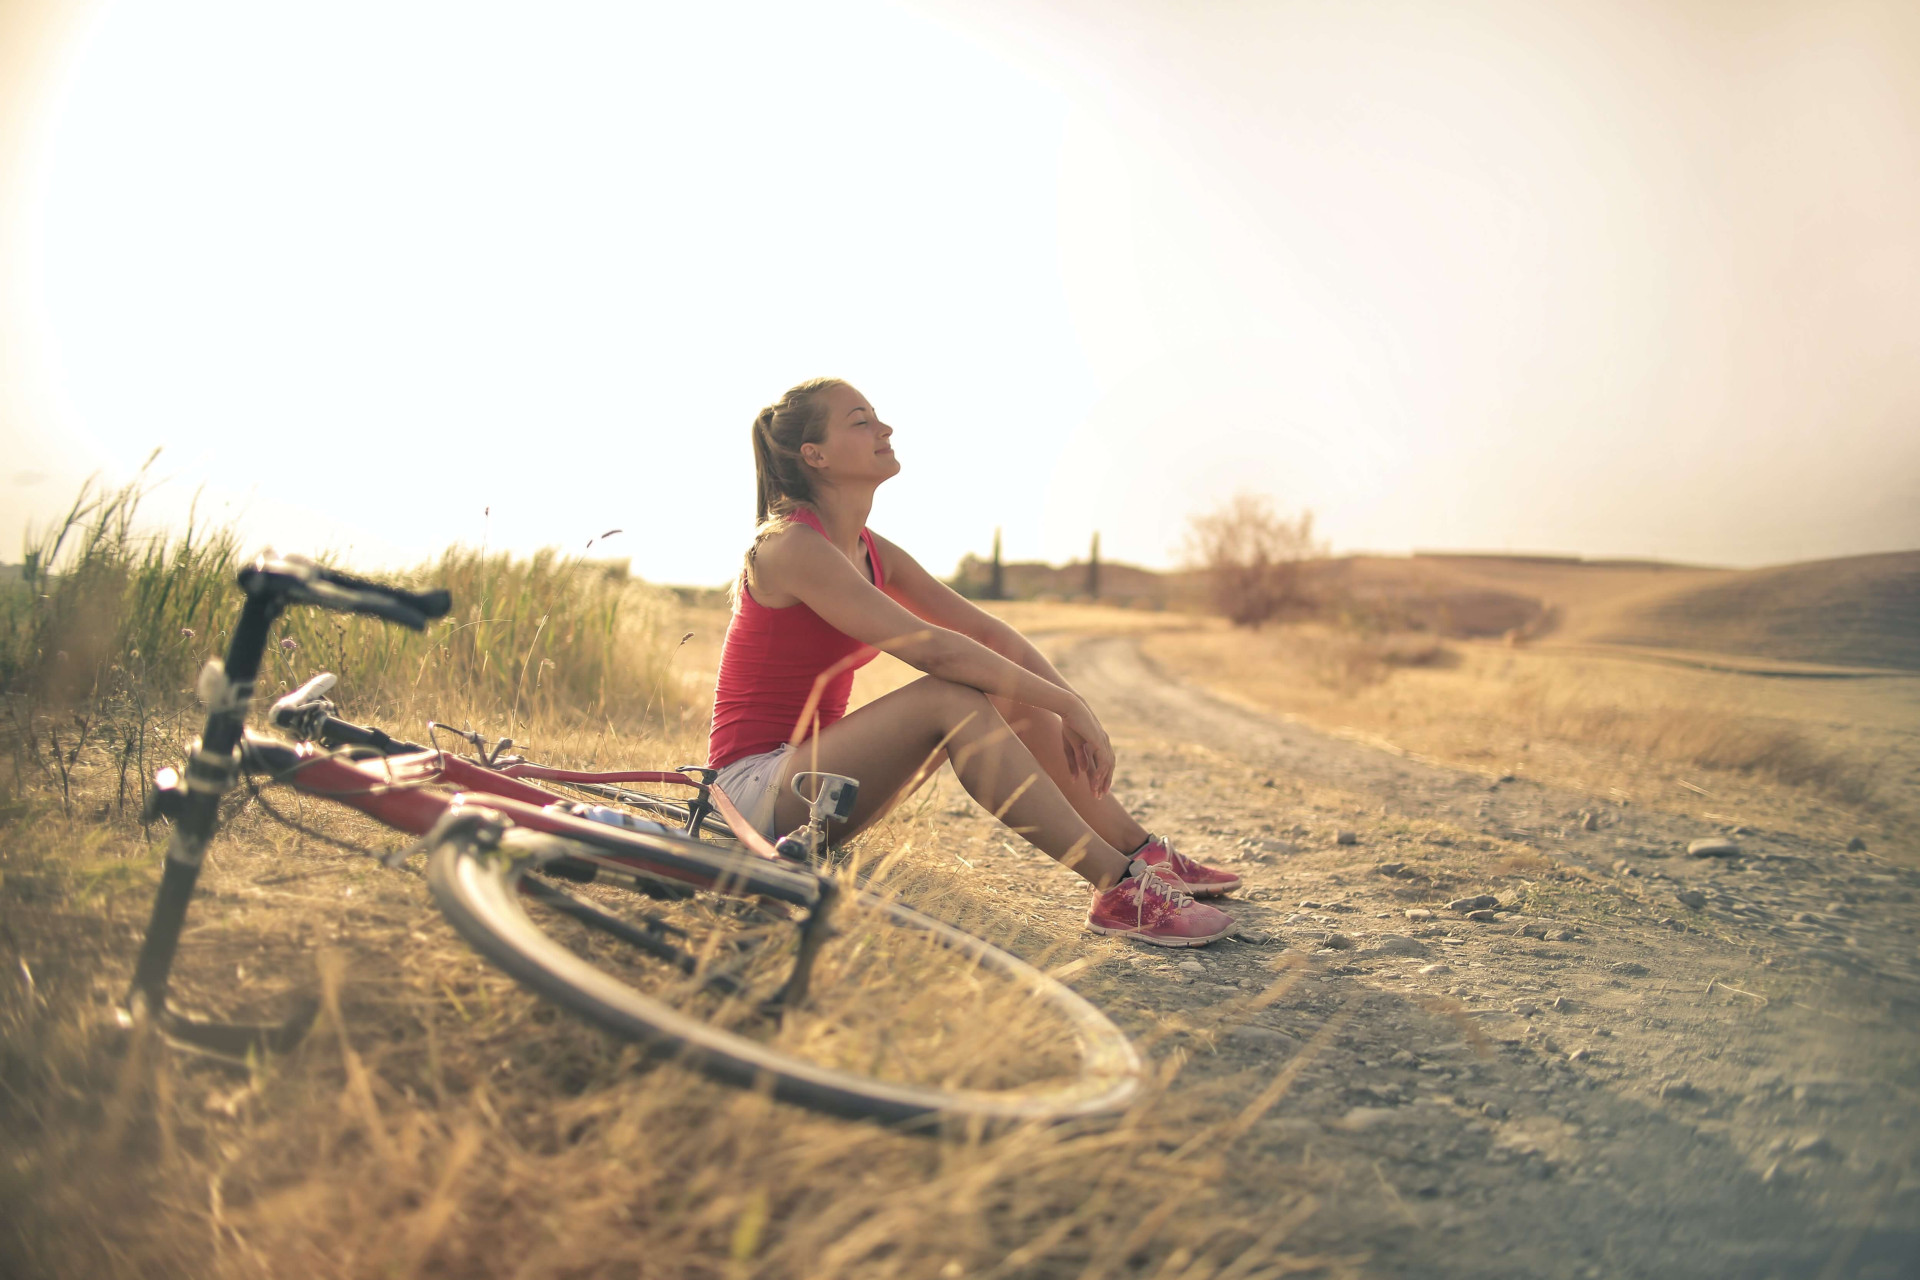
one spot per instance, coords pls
(1127, 869)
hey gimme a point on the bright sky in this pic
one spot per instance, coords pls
(1606, 278)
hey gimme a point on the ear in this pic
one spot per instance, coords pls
(813, 455)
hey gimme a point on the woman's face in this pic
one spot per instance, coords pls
(857, 446)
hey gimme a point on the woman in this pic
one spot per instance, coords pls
(820, 593)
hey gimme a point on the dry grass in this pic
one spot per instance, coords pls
(438, 1121)
(1661, 733)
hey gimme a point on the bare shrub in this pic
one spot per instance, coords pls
(1252, 557)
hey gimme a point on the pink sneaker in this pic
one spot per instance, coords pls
(1197, 879)
(1150, 908)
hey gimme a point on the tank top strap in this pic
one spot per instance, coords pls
(806, 516)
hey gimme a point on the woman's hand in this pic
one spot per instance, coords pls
(1089, 754)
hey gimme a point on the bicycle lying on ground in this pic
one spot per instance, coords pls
(757, 970)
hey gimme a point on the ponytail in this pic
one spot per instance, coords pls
(781, 481)
(780, 476)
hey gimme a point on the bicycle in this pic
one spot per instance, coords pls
(307, 713)
(726, 975)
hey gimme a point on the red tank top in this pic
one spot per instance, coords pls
(768, 666)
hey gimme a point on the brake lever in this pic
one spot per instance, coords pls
(494, 756)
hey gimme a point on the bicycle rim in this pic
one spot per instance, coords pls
(909, 1020)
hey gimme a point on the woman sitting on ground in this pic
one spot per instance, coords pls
(820, 593)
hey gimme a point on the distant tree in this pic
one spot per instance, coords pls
(1251, 556)
(1093, 568)
(997, 583)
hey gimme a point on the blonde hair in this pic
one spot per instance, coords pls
(782, 482)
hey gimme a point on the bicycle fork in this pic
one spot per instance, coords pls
(191, 804)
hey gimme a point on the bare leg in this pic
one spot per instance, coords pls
(895, 742)
(1040, 731)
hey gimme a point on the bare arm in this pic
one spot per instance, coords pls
(929, 598)
(797, 562)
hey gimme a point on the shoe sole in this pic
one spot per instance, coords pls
(1141, 936)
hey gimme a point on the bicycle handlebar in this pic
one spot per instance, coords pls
(298, 580)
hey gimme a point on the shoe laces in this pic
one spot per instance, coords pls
(1152, 884)
(1174, 856)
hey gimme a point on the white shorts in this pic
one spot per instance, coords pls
(753, 784)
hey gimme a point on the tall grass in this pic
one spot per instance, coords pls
(101, 636)
(543, 638)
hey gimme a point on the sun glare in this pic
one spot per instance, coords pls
(1490, 276)
(370, 270)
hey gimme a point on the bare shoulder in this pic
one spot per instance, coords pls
(771, 561)
(792, 562)
(787, 543)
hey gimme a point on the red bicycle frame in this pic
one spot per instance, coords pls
(414, 791)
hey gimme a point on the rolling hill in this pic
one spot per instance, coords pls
(1858, 611)
(1861, 611)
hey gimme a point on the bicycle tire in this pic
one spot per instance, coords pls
(479, 892)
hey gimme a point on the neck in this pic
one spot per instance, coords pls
(843, 509)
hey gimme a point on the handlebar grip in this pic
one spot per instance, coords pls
(298, 580)
(428, 604)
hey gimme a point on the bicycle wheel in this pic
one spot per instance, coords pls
(903, 1018)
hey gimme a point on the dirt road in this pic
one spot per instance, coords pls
(1624, 1061)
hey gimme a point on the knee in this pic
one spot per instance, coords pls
(1024, 720)
(955, 702)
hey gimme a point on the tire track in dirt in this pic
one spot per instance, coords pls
(1723, 1090)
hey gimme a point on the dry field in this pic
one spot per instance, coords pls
(438, 1120)
(1841, 754)
(1629, 1063)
